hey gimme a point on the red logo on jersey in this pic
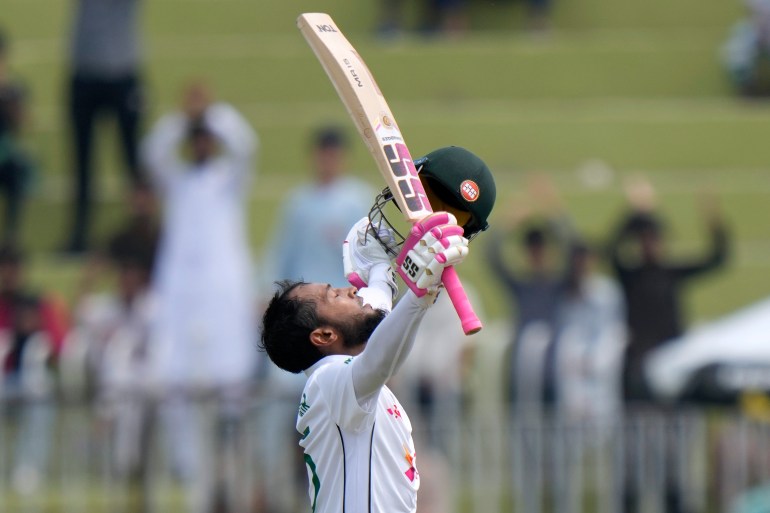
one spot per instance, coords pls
(411, 473)
(469, 190)
(394, 412)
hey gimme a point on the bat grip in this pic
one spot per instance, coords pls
(470, 321)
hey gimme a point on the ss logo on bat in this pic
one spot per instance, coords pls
(409, 267)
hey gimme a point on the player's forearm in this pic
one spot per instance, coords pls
(388, 347)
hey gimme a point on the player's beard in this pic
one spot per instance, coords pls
(357, 331)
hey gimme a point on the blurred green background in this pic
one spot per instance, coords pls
(636, 87)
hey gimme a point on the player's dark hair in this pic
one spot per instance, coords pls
(286, 327)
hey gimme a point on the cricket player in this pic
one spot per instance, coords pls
(356, 437)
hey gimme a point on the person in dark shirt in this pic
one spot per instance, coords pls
(105, 80)
(653, 283)
(536, 291)
(17, 167)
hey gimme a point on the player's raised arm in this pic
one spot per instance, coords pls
(433, 244)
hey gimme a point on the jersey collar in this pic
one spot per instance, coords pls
(326, 360)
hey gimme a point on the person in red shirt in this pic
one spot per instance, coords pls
(51, 310)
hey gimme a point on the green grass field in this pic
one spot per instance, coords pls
(635, 85)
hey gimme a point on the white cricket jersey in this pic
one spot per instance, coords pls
(359, 460)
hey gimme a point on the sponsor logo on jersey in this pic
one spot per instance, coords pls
(303, 406)
(411, 473)
(469, 190)
(394, 412)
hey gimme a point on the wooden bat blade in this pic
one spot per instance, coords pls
(369, 111)
(377, 126)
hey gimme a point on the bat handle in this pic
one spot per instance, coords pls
(470, 321)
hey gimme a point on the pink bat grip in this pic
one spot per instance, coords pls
(470, 322)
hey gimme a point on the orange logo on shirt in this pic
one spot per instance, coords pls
(411, 473)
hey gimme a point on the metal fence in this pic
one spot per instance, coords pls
(238, 453)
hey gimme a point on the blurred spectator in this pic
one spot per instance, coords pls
(535, 293)
(204, 330)
(316, 217)
(52, 311)
(590, 323)
(16, 167)
(113, 328)
(653, 283)
(32, 331)
(105, 78)
(137, 237)
(435, 17)
(746, 53)
(139, 234)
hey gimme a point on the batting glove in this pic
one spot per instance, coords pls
(433, 244)
(362, 252)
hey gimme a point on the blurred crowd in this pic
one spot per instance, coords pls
(167, 308)
(746, 52)
(452, 17)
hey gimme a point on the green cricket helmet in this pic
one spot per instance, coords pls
(459, 182)
(456, 181)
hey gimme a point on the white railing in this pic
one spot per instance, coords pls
(238, 453)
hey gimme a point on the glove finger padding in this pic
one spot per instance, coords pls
(433, 244)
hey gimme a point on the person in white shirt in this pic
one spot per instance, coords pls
(206, 322)
(356, 437)
(205, 326)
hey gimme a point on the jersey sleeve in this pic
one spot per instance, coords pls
(335, 384)
(388, 346)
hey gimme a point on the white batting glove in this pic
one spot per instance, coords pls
(362, 252)
(433, 244)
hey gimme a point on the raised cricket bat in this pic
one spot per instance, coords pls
(375, 122)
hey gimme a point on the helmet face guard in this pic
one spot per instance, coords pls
(379, 220)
